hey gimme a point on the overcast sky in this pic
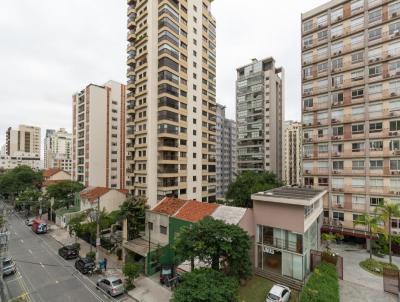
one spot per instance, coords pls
(50, 49)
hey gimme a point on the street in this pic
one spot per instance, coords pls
(43, 275)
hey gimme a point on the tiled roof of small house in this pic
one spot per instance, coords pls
(169, 206)
(50, 172)
(194, 211)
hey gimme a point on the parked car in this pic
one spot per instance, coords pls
(29, 221)
(9, 266)
(68, 252)
(111, 285)
(85, 265)
(278, 293)
(39, 226)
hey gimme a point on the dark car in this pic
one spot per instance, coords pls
(68, 252)
(85, 265)
(9, 266)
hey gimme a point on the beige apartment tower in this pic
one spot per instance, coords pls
(26, 140)
(292, 149)
(259, 116)
(171, 105)
(351, 107)
(98, 153)
(58, 150)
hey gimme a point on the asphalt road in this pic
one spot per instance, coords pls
(42, 274)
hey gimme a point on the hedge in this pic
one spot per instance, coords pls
(323, 285)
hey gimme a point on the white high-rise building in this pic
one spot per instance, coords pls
(58, 150)
(292, 153)
(98, 153)
(171, 104)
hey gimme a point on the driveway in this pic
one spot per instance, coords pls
(148, 289)
(352, 292)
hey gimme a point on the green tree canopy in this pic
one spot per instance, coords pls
(387, 211)
(248, 183)
(17, 180)
(224, 246)
(206, 285)
(134, 210)
(64, 193)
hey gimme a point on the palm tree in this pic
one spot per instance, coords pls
(372, 224)
(387, 211)
(134, 210)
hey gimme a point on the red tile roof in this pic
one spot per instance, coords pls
(194, 211)
(92, 193)
(50, 172)
(169, 206)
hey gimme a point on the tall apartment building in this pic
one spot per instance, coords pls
(26, 139)
(225, 151)
(292, 149)
(171, 105)
(98, 138)
(58, 150)
(351, 106)
(259, 116)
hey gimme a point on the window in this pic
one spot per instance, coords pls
(322, 67)
(395, 164)
(394, 106)
(394, 145)
(358, 217)
(337, 14)
(375, 127)
(376, 145)
(338, 216)
(163, 229)
(357, 93)
(357, 129)
(357, 41)
(357, 23)
(376, 164)
(357, 75)
(337, 165)
(394, 28)
(322, 20)
(323, 148)
(375, 201)
(358, 182)
(338, 200)
(308, 103)
(394, 68)
(307, 25)
(375, 15)
(337, 183)
(337, 131)
(375, 71)
(150, 224)
(307, 72)
(394, 9)
(374, 34)
(337, 63)
(395, 184)
(307, 41)
(356, 6)
(322, 52)
(394, 125)
(336, 31)
(307, 57)
(322, 35)
(358, 199)
(376, 182)
(358, 147)
(374, 53)
(337, 48)
(358, 165)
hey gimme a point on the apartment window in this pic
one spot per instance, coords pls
(375, 201)
(395, 125)
(394, 8)
(356, 6)
(358, 217)
(358, 182)
(357, 23)
(337, 14)
(394, 28)
(307, 57)
(357, 147)
(357, 129)
(358, 199)
(163, 229)
(307, 25)
(374, 34)
(337, 130)
(376, 183)
(307, 41)
(357, 57)
(375, 71)
(394, 145)
(357, 41)
(357, 75)
(322, 67)
(337, 63)
(376, 164)
(357, 165)
(375, 15)
(308, 103)
(337, 165)
(376, 145)
(337, 98)
(323, 181)
(322, 52)
(375, 127)
(338, 216)
(322, 20)
(323, 148)
(374, 53)
(374, 89)
(357, 93)
(336, 31)
(307, 72)
(337, 183)
(337, 80)
(337, 48)
(322, 35)
(338, 200)
(395, 164)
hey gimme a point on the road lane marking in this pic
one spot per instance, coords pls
(41, 264)
(30, 252)
(22, 241)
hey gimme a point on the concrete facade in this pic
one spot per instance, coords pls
(171, 103)
(98, 144)
(351, 111)
(225, 152)
(292, 153)
(259, 116)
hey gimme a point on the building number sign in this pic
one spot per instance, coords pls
(268, 250)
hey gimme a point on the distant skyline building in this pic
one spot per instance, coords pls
(225, 152)
(58, 150)
(259, 116)
(292, 153)
(98, 138)
(171, 100)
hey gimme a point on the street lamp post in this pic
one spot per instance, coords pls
(98, 230)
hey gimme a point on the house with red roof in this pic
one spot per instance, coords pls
(109, 199)
(54, 175)
(166, 219)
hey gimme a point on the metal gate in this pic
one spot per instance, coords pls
(391, 281)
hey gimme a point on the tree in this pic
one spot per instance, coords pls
(387, 211)
(64, 193)
(372, 224)
(224, 246)
(327, 238)
(75, 225)
(131, 271)
(17, 180)
(249, 183)
(31, 200)
(206, 285)
(134, 210)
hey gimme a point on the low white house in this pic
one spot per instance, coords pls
(109, 199)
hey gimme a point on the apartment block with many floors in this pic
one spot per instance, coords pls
(351, 106)
(225, 152)
(58, 150)
(292, 153)
(259, 116)
(171, 105)
(98, 138)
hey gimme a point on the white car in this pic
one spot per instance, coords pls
(278, 293)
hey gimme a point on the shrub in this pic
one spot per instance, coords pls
(106, 243)
(91, 255)
(131, 271)
(323, 285)
(376, 267)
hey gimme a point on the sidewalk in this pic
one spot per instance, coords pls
(148, 289)
(114, 266)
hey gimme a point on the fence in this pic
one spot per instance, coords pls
(316, 257)
(391, 281)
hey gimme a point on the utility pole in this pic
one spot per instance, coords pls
(3, 250)
(98, 231)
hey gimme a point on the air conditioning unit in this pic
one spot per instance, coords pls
(393, 94)
(397, 152)
(394, 15)
(339, 205)
(335, 172)
(320, 26)
(307, 171)
(334, 137)
(389, 55)
(335, 154)
(339, 18)
(340, 51)
(334, 120)
(371, 60)
(377, 59)
(397, 193)
(309, 139)
(392, 133)
(334, 37)
(392, 114)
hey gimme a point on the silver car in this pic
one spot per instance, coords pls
(111, 285)
(278, 293)
(9, 266)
